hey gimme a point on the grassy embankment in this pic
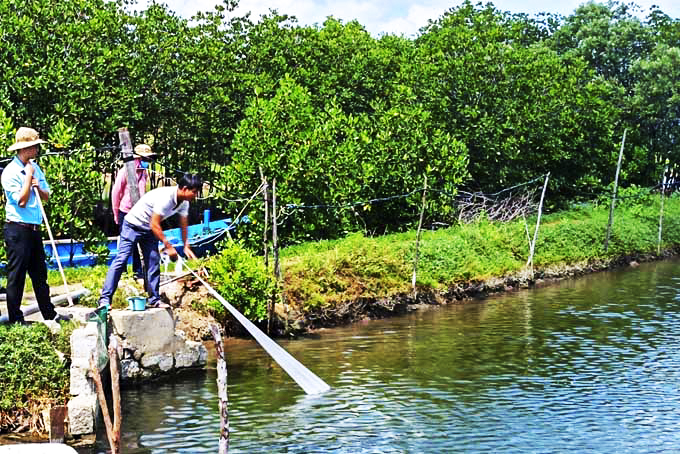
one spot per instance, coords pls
(329, 274)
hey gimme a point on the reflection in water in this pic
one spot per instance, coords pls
(589, 365)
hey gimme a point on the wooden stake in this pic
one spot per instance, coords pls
(57, 416)
(115, 388)
(275, 238)
(616, 186)
(420, 225)
(663, 191)
(222, 390)
(102, 403)
(265, 244)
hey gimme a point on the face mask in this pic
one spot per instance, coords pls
(144, 164)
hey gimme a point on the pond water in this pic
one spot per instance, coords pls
(587, 365)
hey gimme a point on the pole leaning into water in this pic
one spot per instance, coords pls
(54, 247)
(308, 381)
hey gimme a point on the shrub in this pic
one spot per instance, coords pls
(30, 369)
(242, 279)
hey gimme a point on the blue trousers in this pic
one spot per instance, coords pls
(136, 260)
(130, 236)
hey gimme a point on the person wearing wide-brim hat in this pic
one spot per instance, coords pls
(21, 179)
(121, 203)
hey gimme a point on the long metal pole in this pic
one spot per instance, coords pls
(304, 377)
(54, 246)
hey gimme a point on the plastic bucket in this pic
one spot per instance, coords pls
(136, 303)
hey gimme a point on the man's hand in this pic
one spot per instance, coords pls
(189, 253)
(171, 251)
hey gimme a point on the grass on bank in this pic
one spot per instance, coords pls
(329, 272)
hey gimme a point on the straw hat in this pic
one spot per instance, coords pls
(144, 151)
(25, 137)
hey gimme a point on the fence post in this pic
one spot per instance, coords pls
(221, 390)
(420, 225)
(530, 262)
(663, 191)
(275, 246)
(265, 246)
(616, 185)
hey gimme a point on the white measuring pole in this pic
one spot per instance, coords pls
(54, 246)
(304, 377)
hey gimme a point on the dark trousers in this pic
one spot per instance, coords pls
(136, 260)
(25, 254)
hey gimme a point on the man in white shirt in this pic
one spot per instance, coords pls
(142, 225)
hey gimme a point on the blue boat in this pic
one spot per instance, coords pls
(202, 238)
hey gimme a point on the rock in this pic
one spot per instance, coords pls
(81, 414)
(129, 369)
(162, 361)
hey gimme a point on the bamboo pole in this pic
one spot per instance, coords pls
(663, 192)
(420, 226)
(530, 262)
(265, 246)
(54, 247)
(275, 238)
(616, 185)
(222, 390)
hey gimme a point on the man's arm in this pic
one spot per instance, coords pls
(158, 233)
(184, 226)
(119, 187)
(25, 192)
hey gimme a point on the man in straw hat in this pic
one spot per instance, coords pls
(23, 240)
(121, 203)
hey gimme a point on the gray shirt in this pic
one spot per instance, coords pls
(162, 201)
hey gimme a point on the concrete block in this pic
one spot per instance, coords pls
(152, 330)
(80, 383)
(81, 414)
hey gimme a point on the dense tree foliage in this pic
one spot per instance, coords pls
(481, 99)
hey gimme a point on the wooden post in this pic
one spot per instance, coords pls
(222, 390)
(128, 159)
(420, 226)
(102, 403)
(265, 246)
(530, 262)
(57, 417)
(663, 191)
(275, 245)
(275, 238)
(616, 185)
(115, 390)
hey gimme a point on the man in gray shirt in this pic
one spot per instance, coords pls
(142, 225)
